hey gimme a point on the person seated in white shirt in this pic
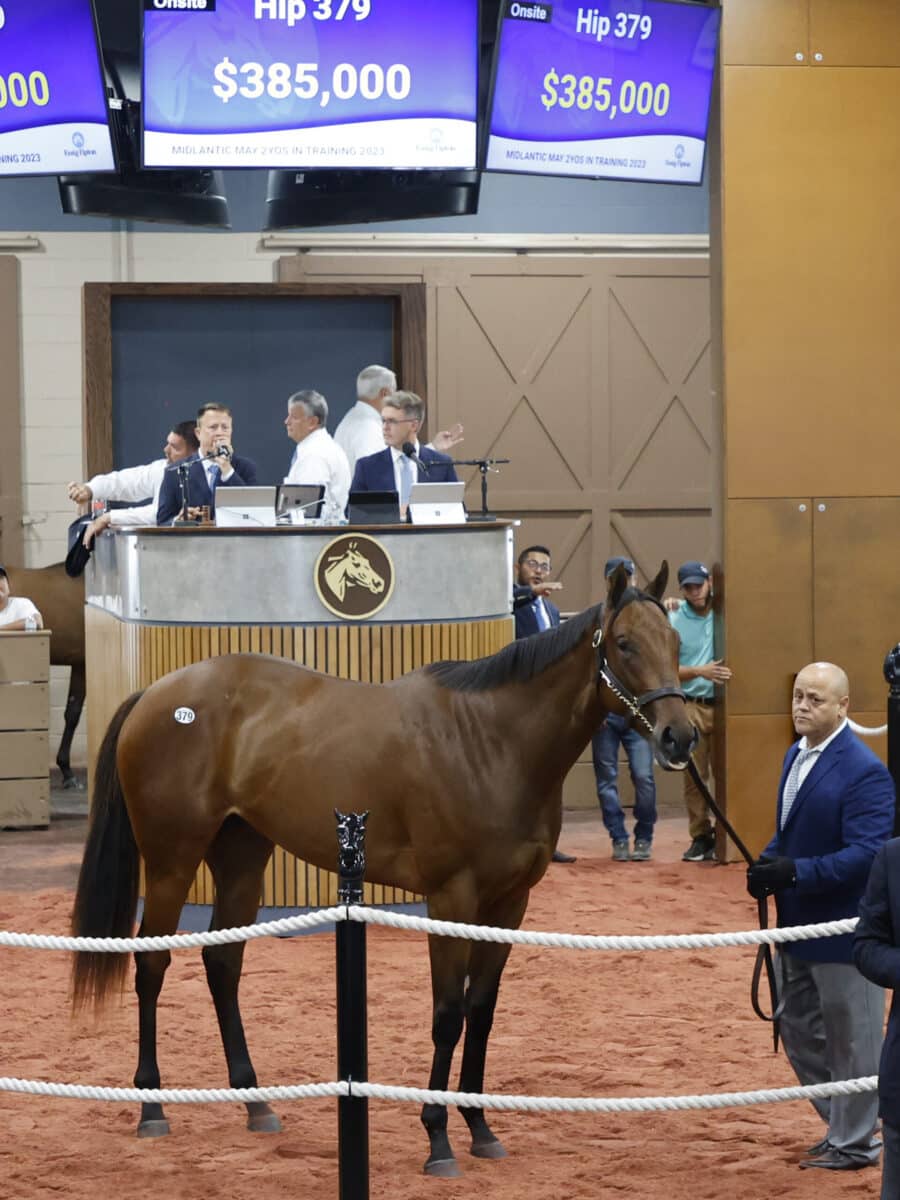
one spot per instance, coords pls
(359, 431)
(135, 484)
(16, 612)
(318, 458)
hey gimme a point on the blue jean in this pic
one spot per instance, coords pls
(605, 748)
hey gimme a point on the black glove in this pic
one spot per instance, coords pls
(769, 875)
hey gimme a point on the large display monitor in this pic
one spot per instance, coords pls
(310, 83)
(53, 108)
(618, 89)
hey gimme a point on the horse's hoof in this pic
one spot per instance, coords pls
(151, 1129)
(491, 1149)
(264, 1123)
(443, 1168)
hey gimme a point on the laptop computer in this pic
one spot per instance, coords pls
(245, 507)
(299, 502)
(373, 508)
(437, 503)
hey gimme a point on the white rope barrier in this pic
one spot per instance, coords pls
(457, 929)
(867, 730)
(380, 1091)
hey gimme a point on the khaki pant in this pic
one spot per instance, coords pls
(702, 716)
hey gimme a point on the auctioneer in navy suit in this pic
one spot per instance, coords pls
(524, 601)
(169, 507)
(876, 952)
(375, 472)
(841, 815)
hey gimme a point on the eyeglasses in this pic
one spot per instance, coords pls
(397, 420)
(533, 565)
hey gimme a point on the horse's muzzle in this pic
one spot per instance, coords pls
(674, 745)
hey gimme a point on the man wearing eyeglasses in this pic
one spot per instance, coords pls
(533, 611)
(393, 470)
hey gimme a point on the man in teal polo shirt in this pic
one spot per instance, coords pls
(698, 671)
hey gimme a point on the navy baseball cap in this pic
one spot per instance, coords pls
(612, 563)
(692, 572)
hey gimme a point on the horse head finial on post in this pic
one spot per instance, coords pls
(351, 836)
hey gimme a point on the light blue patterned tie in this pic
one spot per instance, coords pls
(214, 473)
(540, 612)
(792, 783)
(406, 478)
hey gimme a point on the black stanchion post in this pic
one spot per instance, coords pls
(892, 675)
(352, 1013)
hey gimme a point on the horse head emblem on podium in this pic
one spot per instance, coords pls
(352, 569)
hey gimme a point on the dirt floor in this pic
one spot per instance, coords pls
(569, 1023)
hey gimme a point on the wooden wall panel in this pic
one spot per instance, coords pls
(12, 542)
(857, 590)
(811, 281)
(769, 629)
(765, 32)
(854, 34)
(756, 749)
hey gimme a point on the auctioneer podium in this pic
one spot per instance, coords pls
(368, 603)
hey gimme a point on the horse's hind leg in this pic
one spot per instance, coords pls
(485, 970)
(162, 906)
(237, 859)
(74, 706)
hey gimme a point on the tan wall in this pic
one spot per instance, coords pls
(11, 541)
(810, 261)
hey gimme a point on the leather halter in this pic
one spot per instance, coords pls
(607, 676)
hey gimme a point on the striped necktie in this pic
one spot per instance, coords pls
(541, 614)
(792, 783)
(213, 477)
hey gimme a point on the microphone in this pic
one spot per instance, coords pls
(225, 452)
(410, 451)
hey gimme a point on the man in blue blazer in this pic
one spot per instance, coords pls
(206, 475)
(876, 952)
(390, 470)
(835, 810)
(532, 608)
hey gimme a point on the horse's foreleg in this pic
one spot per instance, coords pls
(237, 858)
(485, 970)
(162, 907)
(74, 706)
(449, 964)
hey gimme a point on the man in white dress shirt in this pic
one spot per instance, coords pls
(135, 484)
(318, 458)
(359, 432)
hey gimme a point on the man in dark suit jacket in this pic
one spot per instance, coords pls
(214, 432)
(835, 809)
(532, 610)
(876, 952)
(390, 470)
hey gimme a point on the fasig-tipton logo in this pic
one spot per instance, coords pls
(179, 5)
(354, 576)
(529, 12)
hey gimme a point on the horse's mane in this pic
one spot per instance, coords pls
(519, 661)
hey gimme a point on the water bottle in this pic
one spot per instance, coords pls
(30, 623)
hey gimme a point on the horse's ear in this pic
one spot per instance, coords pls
(618, 583)
(657, 588)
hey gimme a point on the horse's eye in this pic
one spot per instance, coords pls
(624, 645)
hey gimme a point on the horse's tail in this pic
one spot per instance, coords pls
(106, 897)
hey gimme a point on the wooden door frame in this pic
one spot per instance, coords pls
(409, 337)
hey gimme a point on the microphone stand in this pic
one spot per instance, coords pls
(183, 468)
(484, 465)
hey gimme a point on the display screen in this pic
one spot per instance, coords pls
(53, 109)
(619, 89)
(310, 83)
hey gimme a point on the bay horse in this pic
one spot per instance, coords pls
(459, 764)
(60, 601)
